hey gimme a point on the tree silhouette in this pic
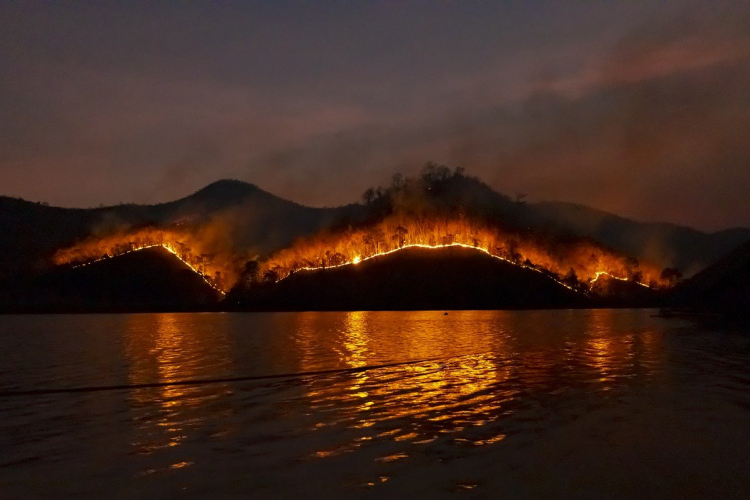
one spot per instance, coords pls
(513, 254)
(336, 259)
(368, 196)
(632, 269)
(571, 278)
(672, 275)
(271, 276)
(378, 238)
(250, 273)
(432, 173)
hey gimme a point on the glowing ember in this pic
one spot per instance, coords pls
(217, 270)
(167, 248)
(574, 264)
(358, 259)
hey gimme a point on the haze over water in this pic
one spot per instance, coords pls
(528, 404)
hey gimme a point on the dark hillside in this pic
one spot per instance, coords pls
(669, 245)
(148, 280)
(237, 218)
(723, 287)
(247, 217)
(412, 279)
(439, 189)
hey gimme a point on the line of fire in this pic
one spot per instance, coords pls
(576, 264)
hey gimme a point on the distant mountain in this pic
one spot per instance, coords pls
(663, 244)
(237, 217)
(150, 280)
(245, 215)
(724, 287)
(669, 245)
(411, 279)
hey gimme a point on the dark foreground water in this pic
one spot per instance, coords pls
(538, 404)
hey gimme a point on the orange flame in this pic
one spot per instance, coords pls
(587, 259)
(216, 269)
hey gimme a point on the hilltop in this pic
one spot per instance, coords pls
(411, 279)
(249, 218)
(254, 222)
(226, 225)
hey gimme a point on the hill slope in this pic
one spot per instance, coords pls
(240, 218)
(245, 216)
(411, 279)
(147, 280)
(723, 287)
(667, 244)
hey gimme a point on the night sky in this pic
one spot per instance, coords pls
(638, 108)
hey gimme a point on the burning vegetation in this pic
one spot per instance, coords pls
(575, 264)
(219, 270)
(444, 208)
(439, 208)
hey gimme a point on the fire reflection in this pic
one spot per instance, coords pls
(355, 352)
(614, 357)
(476, 371)
(165, 348)
(414, 402)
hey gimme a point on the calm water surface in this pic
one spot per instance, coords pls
(534, 404)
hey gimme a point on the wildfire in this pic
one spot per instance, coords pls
(218, 271)
(357, 259)
(575, 264)
(599, 274)
(165, 247)
(571, 264)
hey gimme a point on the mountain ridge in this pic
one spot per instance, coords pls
(258, 221)
(699, 249)
(722, 288)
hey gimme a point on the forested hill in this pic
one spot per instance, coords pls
(252, 221)
(31, 232)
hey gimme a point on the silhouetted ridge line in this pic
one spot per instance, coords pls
(236, 234)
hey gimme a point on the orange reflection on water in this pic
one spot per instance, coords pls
(630, 352)
(475, 368)
(462, 376)
(434, 396)
(355, 352)
(165, 348)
